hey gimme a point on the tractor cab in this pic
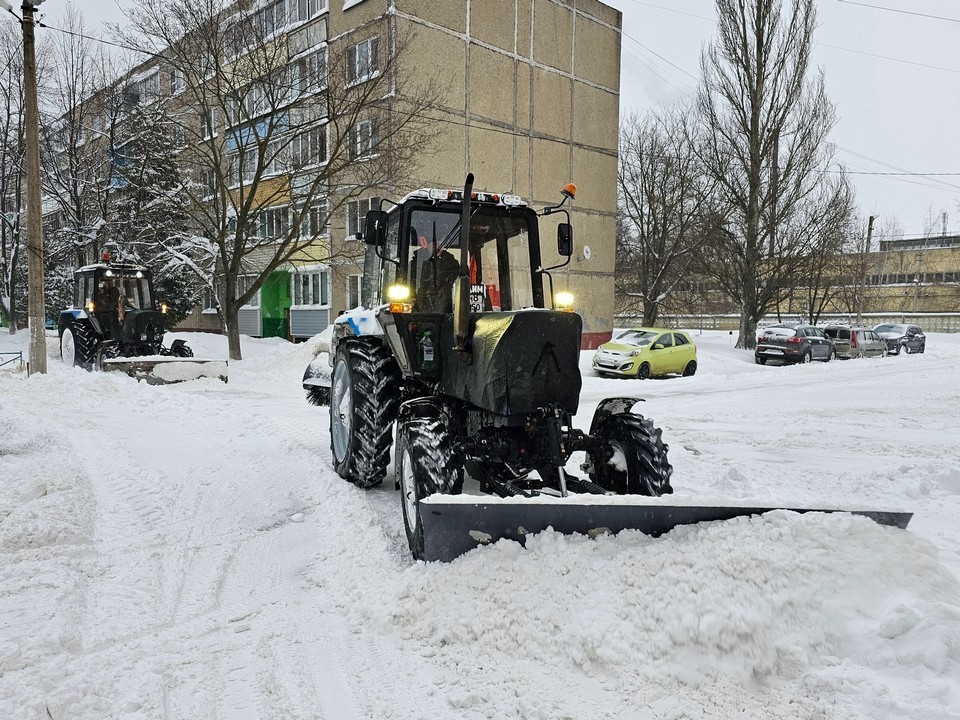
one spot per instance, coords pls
(502, 251)
(118, 301)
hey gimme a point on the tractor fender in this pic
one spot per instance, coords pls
(611, 406)
(358, 323)
(423, 407)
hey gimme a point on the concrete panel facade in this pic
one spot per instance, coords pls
(536, 85)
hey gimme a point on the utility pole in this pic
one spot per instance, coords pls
(862, 275)
(31, 119)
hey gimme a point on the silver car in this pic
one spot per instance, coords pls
(856, 342)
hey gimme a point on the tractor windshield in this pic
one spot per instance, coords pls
(499, 258)
(125, 287)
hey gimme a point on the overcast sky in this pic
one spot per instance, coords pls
(896, 114)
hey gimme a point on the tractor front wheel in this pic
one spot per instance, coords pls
(425, 466)
(638, 464)
(76, 345)
(363, 405)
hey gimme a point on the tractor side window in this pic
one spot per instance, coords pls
(521, 282)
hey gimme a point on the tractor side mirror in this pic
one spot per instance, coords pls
(375, 227)
(565, 239)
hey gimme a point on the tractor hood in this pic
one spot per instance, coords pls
(518, 362)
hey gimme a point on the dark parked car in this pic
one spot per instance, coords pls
(793, 344)
(855, 342)
(901, 336)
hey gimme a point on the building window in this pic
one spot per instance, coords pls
(210, 181)
(362, 60)
(243, 284)
(307, 9)
(178, 82)
(311, 286)
(357, 212)
(316, 219)
(364, 138)
(209, 300)
(273, 223)
(208, 124)
(309, 148)
(271, 18)
(274, 158)
(354, 291)
(309, 74)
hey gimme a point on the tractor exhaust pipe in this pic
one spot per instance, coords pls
(461, 291)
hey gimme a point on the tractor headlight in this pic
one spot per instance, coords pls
(564, 301)
(398, 293)
(399, 297)
(164, 307)
(90, 306)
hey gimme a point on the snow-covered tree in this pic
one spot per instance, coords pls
(82, 113)
(150, 202)
(278, 135)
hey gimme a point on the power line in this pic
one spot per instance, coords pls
(886, 57)
(678, 12)
(893, 167)
(904, 12)
(658, 55)
(953, 174)
(96, 39)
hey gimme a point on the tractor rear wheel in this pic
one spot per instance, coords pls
(425, 465)
(639, 463)
(77, 345)
(363, 406)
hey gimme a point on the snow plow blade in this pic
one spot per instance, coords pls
(454, 525)
(165, 370)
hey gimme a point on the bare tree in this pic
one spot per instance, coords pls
(764, 129)
(279, 132)
(663, 197)
(83, 113)
(11, 169)
(825, 227)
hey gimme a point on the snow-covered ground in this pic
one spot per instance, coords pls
(185, 551)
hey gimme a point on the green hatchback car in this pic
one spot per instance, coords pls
(647, 352)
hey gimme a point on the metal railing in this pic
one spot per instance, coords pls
(930, 322)
(10, 357)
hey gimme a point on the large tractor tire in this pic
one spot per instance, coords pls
(363, 405)
(78, 345)
(639, 464)
(425, 465)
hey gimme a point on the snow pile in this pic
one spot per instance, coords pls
(761, 600)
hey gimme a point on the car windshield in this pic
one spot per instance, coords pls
(890, 328)
(637, 337)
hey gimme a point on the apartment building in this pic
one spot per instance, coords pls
(528, 101)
